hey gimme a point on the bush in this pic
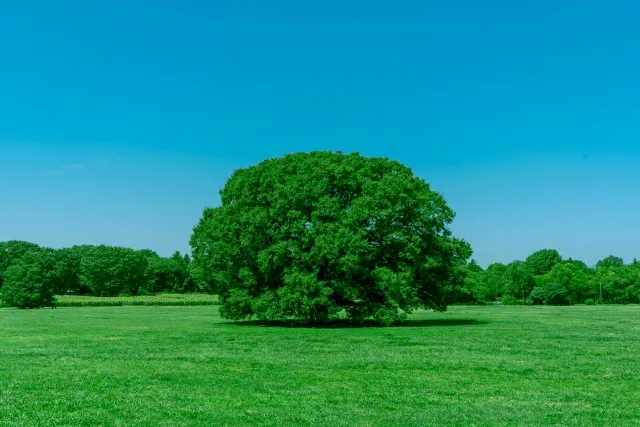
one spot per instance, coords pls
(556, 294)
(510, 300)
(307, 236)
(537, 295)
(550, 294)
(589, 301)
(26, 284)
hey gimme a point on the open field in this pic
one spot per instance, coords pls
(184, 366)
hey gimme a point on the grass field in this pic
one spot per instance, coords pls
(184, 366)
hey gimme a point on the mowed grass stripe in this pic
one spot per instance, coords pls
(184, 366)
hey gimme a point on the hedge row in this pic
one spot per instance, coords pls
(160, 300)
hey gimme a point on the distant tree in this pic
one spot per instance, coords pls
(182, 275)
(189, 284)
(496, 279)
(610, 261)
(168, 274)
(576, 265)
(583, 286)
(26, 283)
(160, 274)
(109, 271)
(308, 235)
(11, 251)
(556, 294)
(519, 279)
(63, 270)
(148, 253)
(537, 295)
(550, 294)
(560, 273)
(619, 283)
(456, 292)
(473, 266)
(543, 261)
(474, 286)
(486, 285)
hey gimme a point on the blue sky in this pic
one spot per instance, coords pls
(119, 121)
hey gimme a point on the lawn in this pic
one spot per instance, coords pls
(184, 366)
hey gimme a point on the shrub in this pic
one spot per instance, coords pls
(510, 300)
(556, 294)
(550, 294)
(589, 301)
(537, 295)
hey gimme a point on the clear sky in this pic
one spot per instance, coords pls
(121, 120)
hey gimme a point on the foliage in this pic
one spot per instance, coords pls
(556, 294)
(11, 252)
(571, 281)
(167, 274)
(551, 293)
(308, 235)
(590, 301)
(473, 266)
(610, 261)
(487, 285)
(543, 260)
(26, 284)
(511, 300)
(519, 279)
(108, 271)
(537, 295)
(576, 265)
(63, 269)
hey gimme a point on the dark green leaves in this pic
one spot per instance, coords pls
(309, 235)
(26, 282)
(543, 260)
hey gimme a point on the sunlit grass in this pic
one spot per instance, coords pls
(184, 366)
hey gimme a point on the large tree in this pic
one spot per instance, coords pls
(308, 235)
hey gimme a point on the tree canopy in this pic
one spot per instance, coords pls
(309, 235)
(27, 283)
(11, 252)
(542, 261)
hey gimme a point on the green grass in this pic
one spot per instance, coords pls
(184, 366)
(160, 299)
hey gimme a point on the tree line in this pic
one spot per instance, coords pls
(546, 278)
(31, 275)
(312, 236)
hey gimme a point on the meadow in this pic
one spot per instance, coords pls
(185, 366)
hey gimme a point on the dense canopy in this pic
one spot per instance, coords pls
(309, 235)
